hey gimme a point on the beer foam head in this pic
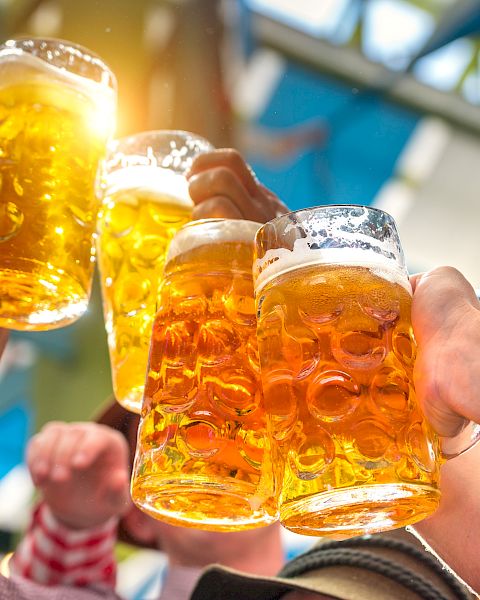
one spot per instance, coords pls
(20, 67)
(346, 235)
(160, 185)
(211, 231)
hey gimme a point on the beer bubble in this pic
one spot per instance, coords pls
(310, 455)
(390, 391)
(11, 220)
(372, 439)
(332, 395)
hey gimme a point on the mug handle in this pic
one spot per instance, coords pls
(450, 447)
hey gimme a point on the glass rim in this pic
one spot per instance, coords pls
(176, 248)
(144, 149)
(140, 135)
(319, 207)
(218, 220)
(273, 257)
(84, 51)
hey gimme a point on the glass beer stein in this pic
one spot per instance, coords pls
(146, 202)
(202, 455)
(337, 353)
(57, 113)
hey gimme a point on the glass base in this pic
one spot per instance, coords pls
(39, 302)
(349, 512)
(210, 505)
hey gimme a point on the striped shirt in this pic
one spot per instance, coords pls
(52, 554)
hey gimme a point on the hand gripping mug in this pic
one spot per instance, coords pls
(146, 202)
(57, 113)
(203, 457)
(337, 353)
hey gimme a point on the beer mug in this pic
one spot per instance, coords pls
(57, 112)
(337, 353)
(146, 201)
(202, 456)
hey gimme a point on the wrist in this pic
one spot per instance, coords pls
(72, 526)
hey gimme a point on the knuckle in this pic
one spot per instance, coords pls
(220, 178)
(233, 158)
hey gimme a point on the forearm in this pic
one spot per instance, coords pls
(453, 532)
(52, 554)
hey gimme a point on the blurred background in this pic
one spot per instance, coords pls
(340, 101)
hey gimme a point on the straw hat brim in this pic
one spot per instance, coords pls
(338, 581)
(333, 582)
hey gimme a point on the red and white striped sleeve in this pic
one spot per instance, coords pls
(52, 554)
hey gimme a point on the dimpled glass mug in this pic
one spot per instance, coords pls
(203, 456)
(57, 113)
(337, 353)
(146, 202)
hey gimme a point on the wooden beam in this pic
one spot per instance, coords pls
(351, 66)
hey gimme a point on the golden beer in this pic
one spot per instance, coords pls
(203, 455)
(337, 353)
(145, 204)
(57, 105)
